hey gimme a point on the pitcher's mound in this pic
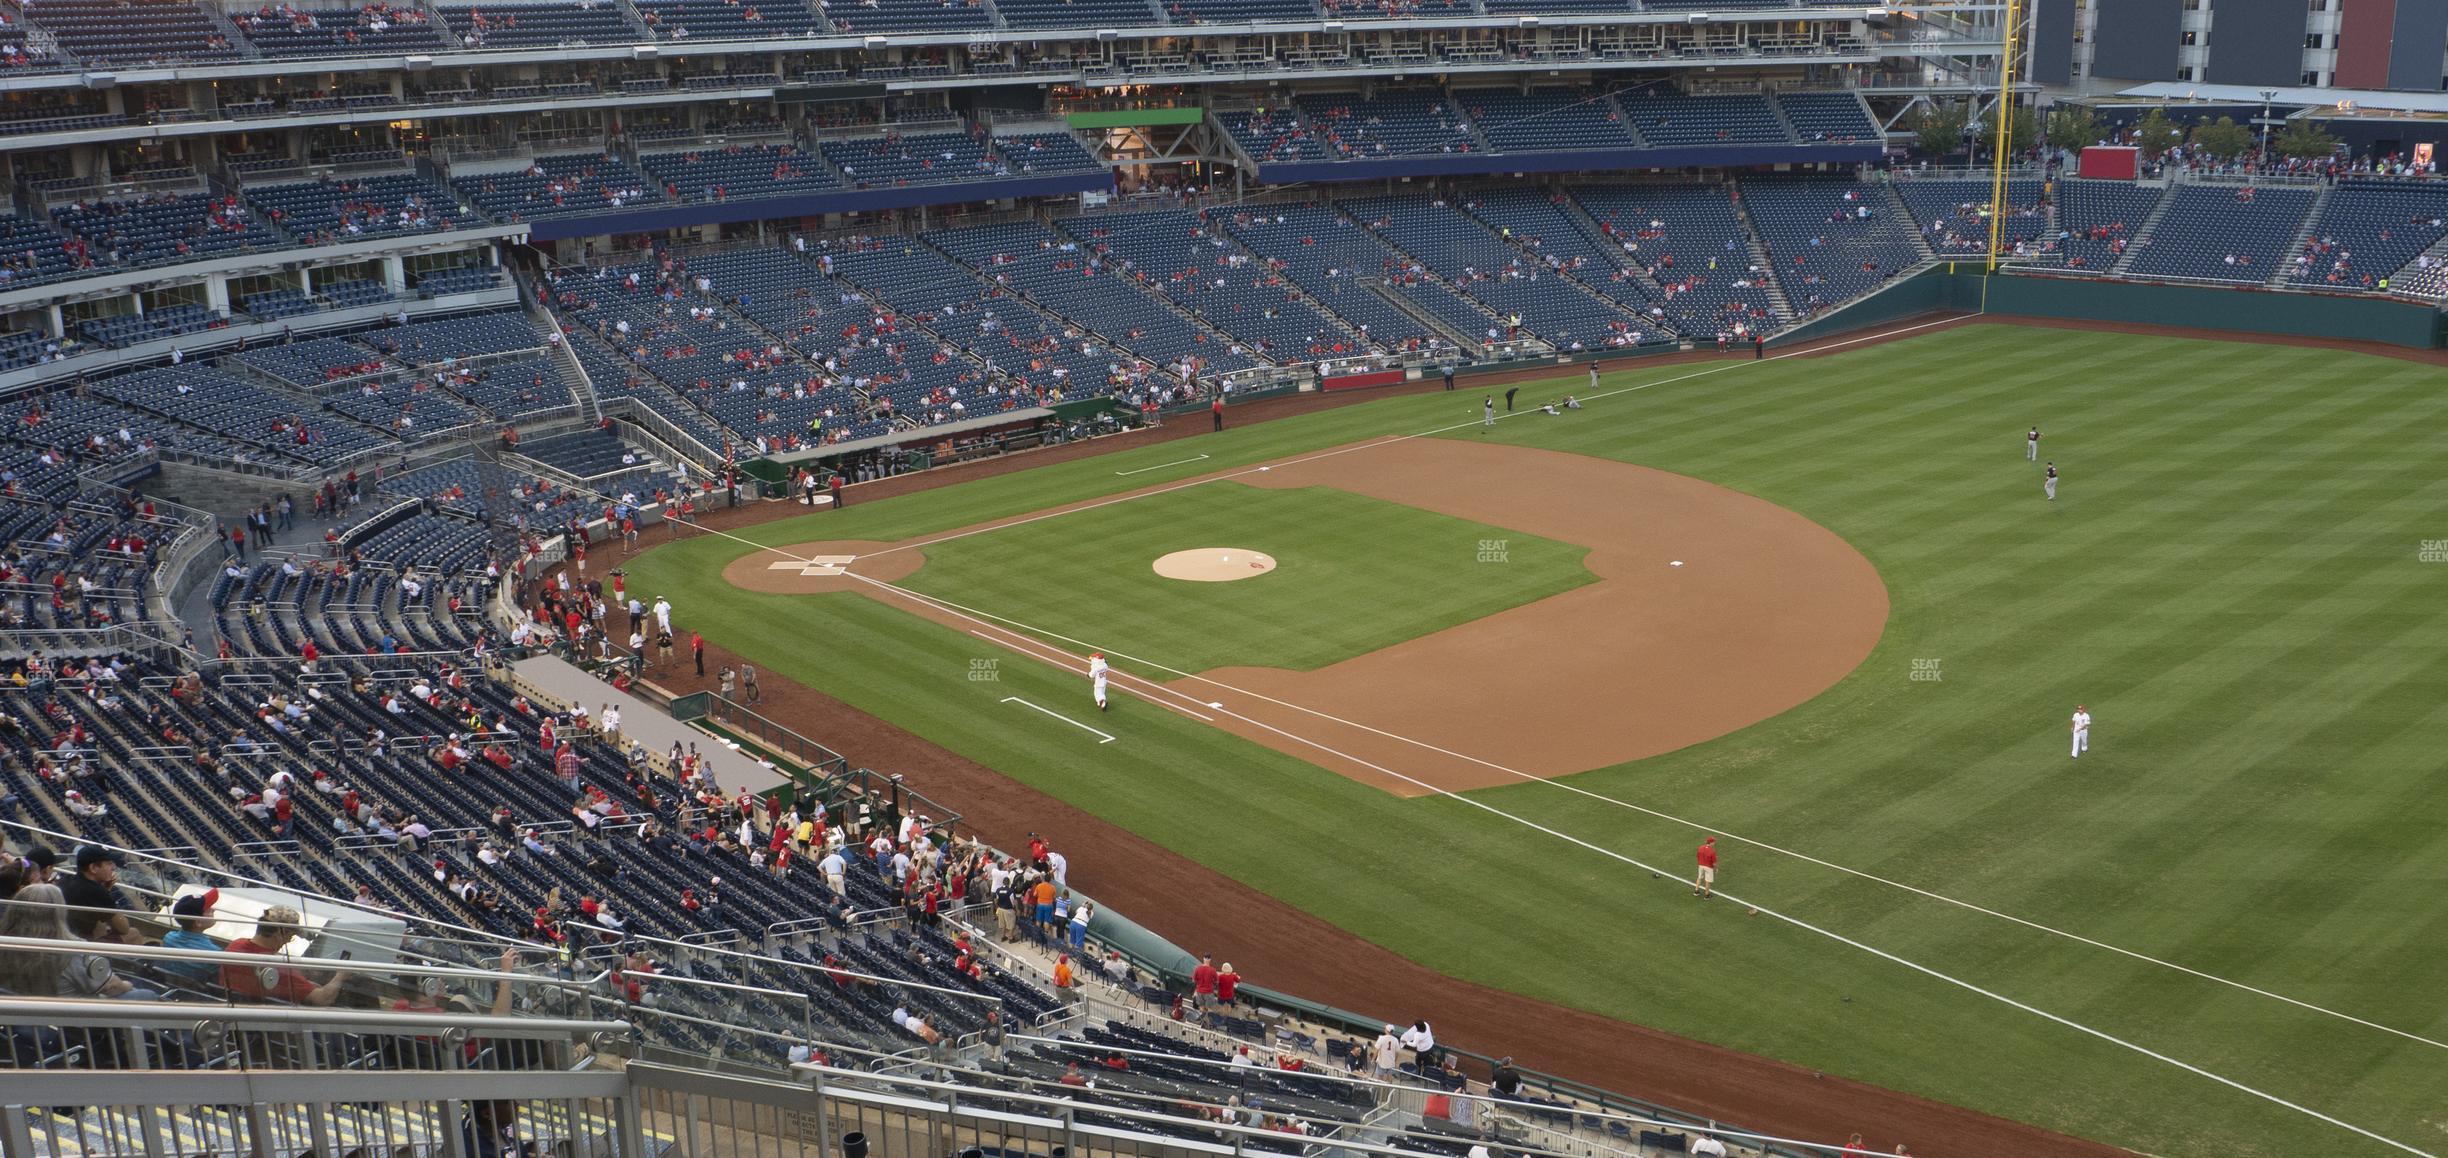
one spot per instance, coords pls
(1215, 564)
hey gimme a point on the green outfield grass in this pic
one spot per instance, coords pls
(1354, 574)
(2230, 579)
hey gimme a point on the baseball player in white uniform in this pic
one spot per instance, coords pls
(2031, 445)
(2048, 482)
(1487, 412)
(2082, 731)
(1096, 676)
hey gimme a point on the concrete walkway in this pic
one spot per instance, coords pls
(549, 677)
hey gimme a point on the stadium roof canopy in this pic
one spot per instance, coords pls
(2362, 100)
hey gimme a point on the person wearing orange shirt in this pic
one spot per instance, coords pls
(1042, 896)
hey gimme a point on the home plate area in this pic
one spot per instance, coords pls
(815, 566)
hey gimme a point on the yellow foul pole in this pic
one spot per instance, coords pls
(2005, 134)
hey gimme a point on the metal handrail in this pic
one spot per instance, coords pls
(251, 960)
(146, 1014)
(66, 840)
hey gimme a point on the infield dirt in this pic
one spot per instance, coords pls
(1291, 950)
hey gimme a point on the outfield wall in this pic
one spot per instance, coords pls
(2256, 311)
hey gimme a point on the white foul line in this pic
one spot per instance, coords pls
(1386, 440)
(1162, 465)
(1063, 661)
(1660, 872)
(1733, 365)
(1059, 716)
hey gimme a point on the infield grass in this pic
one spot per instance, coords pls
(1354, 574)
(2230, 579)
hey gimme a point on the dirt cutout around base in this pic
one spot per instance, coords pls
(1715, 610)
(1215, 564)
(812, 568)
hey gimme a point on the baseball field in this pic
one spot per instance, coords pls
(1491, 686)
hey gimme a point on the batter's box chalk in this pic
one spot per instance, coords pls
(817, 566)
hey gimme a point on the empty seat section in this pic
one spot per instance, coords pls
(1690, 242)
(540, 25)
(336, 209)
(174, 227)
(288, 30)
(2097, 220)
(2366, 231)
(728, 19)
(1543, 223)
(1042, 154)
(1075, 283)
(2224, 233)
(1205, 273)
(1238, 11)
(1075, 13)
(1829, 117)
(1666, 118)
(738, 173)
(1508, 282)
(1392, 125)
(1352, 273)
(1829, 240)
(1274, 134)
(557, 186)
(127, 32)
(1954, 215)
(908, 15)
(1546, 119)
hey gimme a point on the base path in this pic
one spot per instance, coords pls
(1296, 952)
(1716, 610)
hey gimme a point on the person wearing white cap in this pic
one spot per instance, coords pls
(1386, 1058)
(1096, 676)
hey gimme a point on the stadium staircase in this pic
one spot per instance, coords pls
(1779, 305)
(1428, 272)
(573, 371)
(2143, 234)
(1234, 245)
(1792, 131)
(637, 20)
(1599, 240)
(2429, 284)
(1086, 325)
(2303, 236)
(229, 30)
(1899, 211)
(1645, 288)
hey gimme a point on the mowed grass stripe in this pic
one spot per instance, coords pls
(1961, 784)
(1354, 575)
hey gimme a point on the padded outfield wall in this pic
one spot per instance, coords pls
(1958, 286)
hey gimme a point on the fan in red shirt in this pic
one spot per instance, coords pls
(273, 931)
(1203, 983)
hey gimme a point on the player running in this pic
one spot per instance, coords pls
(1096, 677)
